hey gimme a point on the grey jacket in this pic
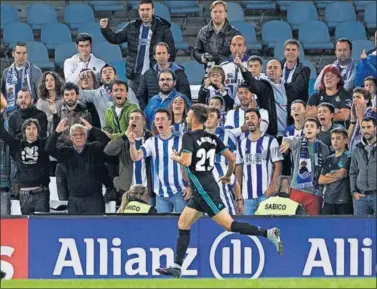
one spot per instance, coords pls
(121, 147)
(363, 169)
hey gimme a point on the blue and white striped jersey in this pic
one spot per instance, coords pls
(139, 171)
(167, 176)
(257, 158)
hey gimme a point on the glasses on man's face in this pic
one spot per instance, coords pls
(166, 79)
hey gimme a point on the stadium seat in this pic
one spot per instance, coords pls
(119, 27)
(300, 12)
(106, 5)
(39, 14)
(132, 4)
(37, 53)
(93, 29)
(178, 38)
(275, 31)
(279, 51)
(120, 67)
(9, 14)
(360, 4)
(313, 74)
(17, 31)
(53, 34)
(322, 4)
(370, 15)
(235, 12)
(284, 4)
(351, 30)
(183, 7)
(194, 71)
(314, 35)
(248, 31)
(359, 45)
(337, 12)
(75, 14)
(258, 4)
(107, 52)
(162, 11)
(63, 51)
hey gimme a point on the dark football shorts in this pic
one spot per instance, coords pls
(206, 197)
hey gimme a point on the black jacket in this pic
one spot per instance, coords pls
(130, 34)
(17, 118)
(300, 80)
(266, 98)
(149, 85)
(32, 161)
(218, 45)
(83, 169)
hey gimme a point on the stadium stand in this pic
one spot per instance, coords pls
(93, 29)
(75, 14)
(38, 54)
(275, 31)
(106, 5)
(39, 14)
(17, 31)
(52, 34)
(9, 14)
(300, 12)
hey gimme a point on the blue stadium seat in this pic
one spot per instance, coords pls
(119, 27)
(358, 46)
(351, 30)
(183, 7)
(17, 31)
(37, 53)
(370, 15)
(279, 51)
(275, 31)
(39, 14)
(284, 4)
(235, 12)
(53, 34)
(258, 4)
(178, 38)
(314, 35)
(107, 52)
(162, 11)
(248, 31)
(120, 67)
(75, 14)
(133, 4)
(194, 71)
(63, 51)
(300, 12)
(9, 14)
(106, 5)
(360, 4)
(322, 4)
(313, 74)
(93, 29)
(337, 12)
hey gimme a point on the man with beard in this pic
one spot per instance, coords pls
(363, 174)
(166, 82)
(259, 163)
(168, 184)
(101, 97)
(118, 115)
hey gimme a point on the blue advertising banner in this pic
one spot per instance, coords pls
(133, 247)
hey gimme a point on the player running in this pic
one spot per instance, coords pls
(198, 159)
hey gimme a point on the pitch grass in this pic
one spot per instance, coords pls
(197, 283)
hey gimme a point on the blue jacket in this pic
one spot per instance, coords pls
(157, 102)
(365, 68)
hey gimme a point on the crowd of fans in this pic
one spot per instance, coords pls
(91, 130)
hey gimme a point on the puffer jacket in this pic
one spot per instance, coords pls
(130, 34)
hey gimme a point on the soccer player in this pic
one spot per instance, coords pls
(198, 159)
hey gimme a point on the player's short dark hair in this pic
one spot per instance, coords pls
(118, 82)
(292, 42)
(329, 105)
(340, 130)
(163, 110)
(84, 37)
(19, 43)
(344, 40)
(373, 120)
(168, 70)
(255, 58)
(299, 101)
(27, 123)
(141, 2)
(255, 110)
(219, 98)
(161, 44)
(312, 119)
(201, 112)
(214, 110)
(70, 86)
(362, 91)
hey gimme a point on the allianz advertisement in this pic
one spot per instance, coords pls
(133, 247)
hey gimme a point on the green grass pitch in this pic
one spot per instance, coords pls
(197, 283)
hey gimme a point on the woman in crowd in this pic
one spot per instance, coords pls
(178, 109)
(135, 201)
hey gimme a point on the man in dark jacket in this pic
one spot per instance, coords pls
(213, 42)
(141, 35)
(26, 110)
(148, 82)
(294, 72)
